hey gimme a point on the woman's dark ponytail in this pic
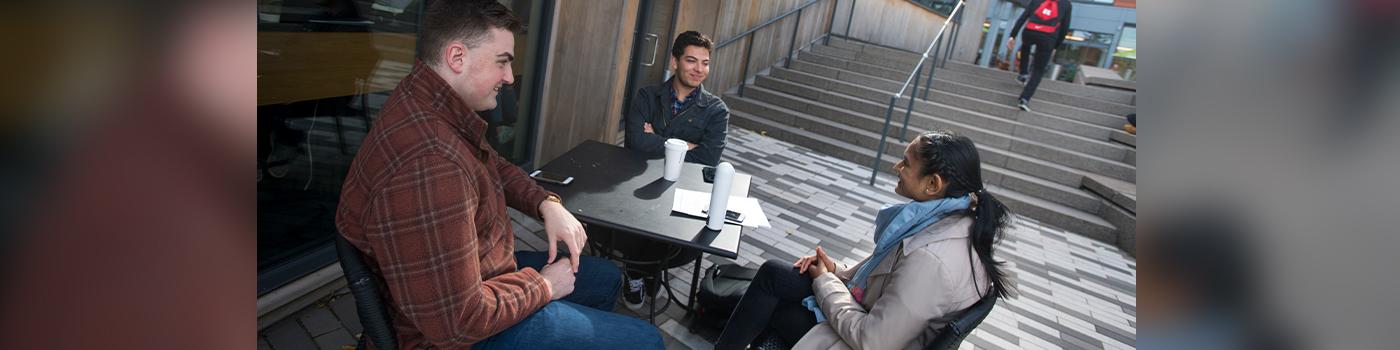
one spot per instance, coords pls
(954, 157)
(990, 217)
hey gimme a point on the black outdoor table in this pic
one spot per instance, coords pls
(622, 190)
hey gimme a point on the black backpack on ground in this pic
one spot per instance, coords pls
(720, 291)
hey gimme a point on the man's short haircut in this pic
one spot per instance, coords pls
(467, 21)
(690, 38)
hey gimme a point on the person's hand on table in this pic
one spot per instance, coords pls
(558, 278)
(646, 128)
(561, 226)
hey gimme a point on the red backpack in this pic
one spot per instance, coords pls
(1046, 17)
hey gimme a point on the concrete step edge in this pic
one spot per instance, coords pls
(1050, 213)
(1099, 118)
(1069, 195)
(923, 106)
(1091, 163)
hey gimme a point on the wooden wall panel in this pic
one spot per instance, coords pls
(770, 44)
(587, 70)
(894, 23)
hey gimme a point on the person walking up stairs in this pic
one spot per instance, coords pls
(1047, 24)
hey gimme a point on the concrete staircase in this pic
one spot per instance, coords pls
(1067, 164)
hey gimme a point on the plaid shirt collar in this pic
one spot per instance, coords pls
(676, 103)
(425, 84)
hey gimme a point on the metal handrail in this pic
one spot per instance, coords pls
(913, 77)
(736, 37)
(792, 45)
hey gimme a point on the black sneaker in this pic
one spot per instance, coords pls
(1024, 105)
(771, 342)
(633, 296)
(1022, 79)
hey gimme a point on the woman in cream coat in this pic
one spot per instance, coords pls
(932, 260)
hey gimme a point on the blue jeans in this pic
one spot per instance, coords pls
(582, 320)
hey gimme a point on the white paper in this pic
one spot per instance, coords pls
(694, 203)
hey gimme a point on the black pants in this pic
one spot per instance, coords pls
(1044, 48)
(772, 303)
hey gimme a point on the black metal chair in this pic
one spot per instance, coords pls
(369, 300)
(954, 333)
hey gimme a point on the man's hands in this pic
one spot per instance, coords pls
(646, 129)
(558, 278)
(561, 226)
(815, 265)
(1011, 45)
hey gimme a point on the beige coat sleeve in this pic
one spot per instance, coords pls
(909, 302)
(845, 274)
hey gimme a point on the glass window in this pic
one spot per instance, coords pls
(1089, 38)
(1070, 57)
(510, 126)
(325, 69)
(1125, 55)
(1081, 47)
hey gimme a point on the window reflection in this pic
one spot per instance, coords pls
(1125, 55)
(325, 67)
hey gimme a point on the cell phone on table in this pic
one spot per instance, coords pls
(729, 215)
(553, 178)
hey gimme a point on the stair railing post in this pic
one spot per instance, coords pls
(937, 48)
(889, 110)
(744, 74)
(849, 17)
(958, 19)
(792, 46)
(830, 21)
(910, 109)
(928, 82)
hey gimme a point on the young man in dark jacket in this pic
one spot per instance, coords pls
(680, 108)
(1047, 24)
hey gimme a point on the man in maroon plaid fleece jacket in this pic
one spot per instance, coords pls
(425, 201)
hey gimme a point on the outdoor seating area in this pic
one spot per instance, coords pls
(757, 179)
(1075, 292)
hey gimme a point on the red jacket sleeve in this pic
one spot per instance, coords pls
(521, 191)
(421, 226)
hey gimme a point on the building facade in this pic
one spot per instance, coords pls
(1103, 34)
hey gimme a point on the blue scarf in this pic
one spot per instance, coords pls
(893, 224)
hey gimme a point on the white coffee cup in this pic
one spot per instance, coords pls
(675, 155)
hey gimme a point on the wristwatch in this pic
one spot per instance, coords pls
(554, 198)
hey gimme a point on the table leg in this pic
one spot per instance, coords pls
(651, 299)
(694, 283)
